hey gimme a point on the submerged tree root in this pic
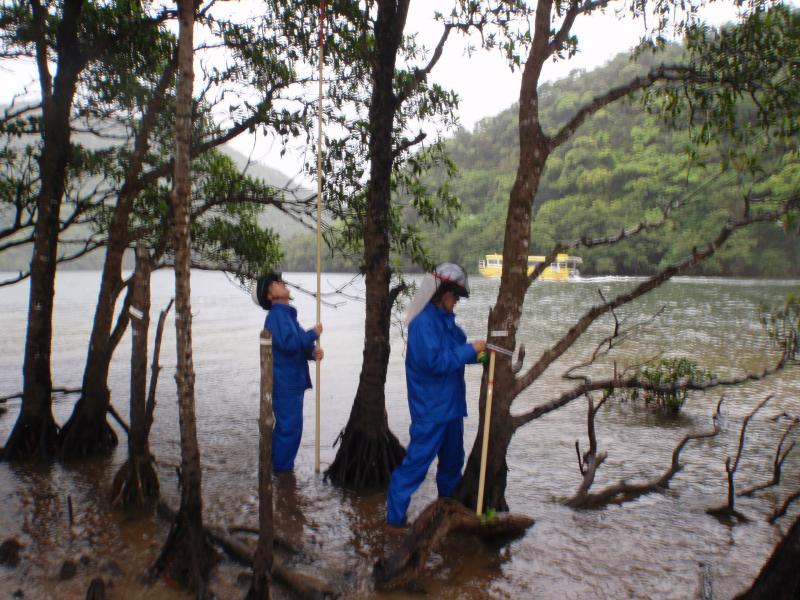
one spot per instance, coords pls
(438, 520)
(303, 583)
(84, 435)
(136, 483)
(31, 438)
(365, 459)
(185, 558)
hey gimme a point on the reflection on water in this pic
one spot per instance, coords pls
(651, 548)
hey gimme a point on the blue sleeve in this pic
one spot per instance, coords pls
(309, 342)
(425, 345)
(284, 333)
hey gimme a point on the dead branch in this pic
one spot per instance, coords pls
(619, 383)
(155, 369)
(614, 339)
(729, 509)
(698, 255)
(784, 507)
(302, 582)
(113, 412)
(439, 519)
(55, 390)
(777, 462)
(623, 491)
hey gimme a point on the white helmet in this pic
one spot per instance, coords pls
(446, 274)
(454, 277)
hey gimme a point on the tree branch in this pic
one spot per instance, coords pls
(777, 463)
(697, 256)
(660, 73)
(421, 74)
(406, 144)
(618, 383)
(624, 491)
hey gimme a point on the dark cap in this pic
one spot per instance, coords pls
(261, 289)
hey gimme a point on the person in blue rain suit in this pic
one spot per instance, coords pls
(292, 348)
(436, 355)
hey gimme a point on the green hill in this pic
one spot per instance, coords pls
(619, 167)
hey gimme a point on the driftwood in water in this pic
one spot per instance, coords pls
(623, 491)
(779, 579)
(777, 464)
(728, 511)
(438, 520)
(779, 512)
(303, 583)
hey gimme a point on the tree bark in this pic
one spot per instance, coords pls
(503, 323)
(35, 432)
(87, 432)
(369, 451)
(263, 559)
(779, 579)
(440, 518)
(187, 555)
(136, 482)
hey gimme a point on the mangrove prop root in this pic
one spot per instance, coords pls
(86, 435)
(32, 437)
(136, 483)
(365, 459)
(440, 518)
(303, 583)
(185, 558)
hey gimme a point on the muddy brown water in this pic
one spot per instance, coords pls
(655, 547)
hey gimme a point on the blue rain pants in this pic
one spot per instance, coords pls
(288, 409)
(428, 440)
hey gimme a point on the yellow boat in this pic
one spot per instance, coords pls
(563, 268)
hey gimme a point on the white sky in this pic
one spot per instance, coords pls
(483, 81)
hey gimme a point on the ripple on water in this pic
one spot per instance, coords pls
(649, 548)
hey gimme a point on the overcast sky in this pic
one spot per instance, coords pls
(483, 81)
(485, 84)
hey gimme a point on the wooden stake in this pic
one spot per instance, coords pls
(487, 421)
(319, 223)
(263, 559)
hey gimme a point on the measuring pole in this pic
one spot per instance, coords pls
(319, 221)
(487, 421)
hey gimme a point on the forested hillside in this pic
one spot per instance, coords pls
(621, 165)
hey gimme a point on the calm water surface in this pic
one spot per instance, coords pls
(650, 548)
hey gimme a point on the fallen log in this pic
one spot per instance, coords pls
(439, 519)
(305, 584)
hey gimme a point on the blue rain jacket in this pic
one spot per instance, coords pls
(293, 347)
(435, 358)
